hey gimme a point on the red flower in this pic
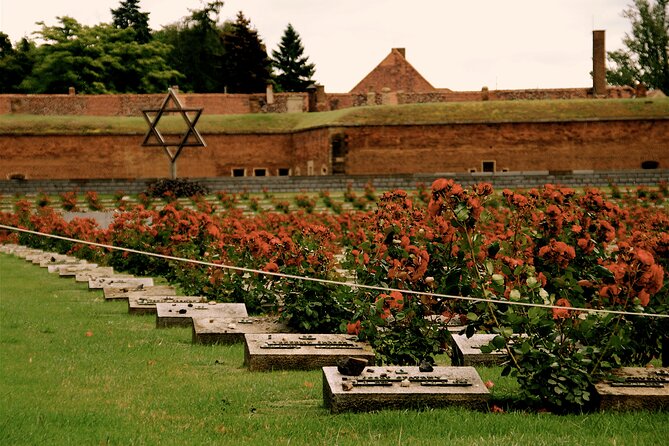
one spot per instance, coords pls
(559, 313)
(353, 328)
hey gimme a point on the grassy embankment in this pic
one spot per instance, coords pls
(75, 369)
(432, 113)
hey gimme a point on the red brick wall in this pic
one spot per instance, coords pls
(596, 145)
(120, 156)
(517, 147)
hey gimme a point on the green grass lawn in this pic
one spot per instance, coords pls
(76, 370)
(410, 114)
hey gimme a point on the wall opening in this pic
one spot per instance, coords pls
(650, 164)
(239, 172)
(261, 172)
(339, 149)
(488, 166)
(283, 172)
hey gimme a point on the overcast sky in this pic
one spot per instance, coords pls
(456, 44)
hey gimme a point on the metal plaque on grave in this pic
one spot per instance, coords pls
(225, 330)
(111, 293)
(181, 314)
(635, 388)
(147, 304)
(285, 351)
(118, 282)
(395, 387)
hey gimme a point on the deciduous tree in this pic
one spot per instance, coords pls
(645, 58)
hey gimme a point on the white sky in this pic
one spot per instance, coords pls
(456, 44)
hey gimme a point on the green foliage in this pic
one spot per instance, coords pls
(197, 49)
(176, 188)
(645, 58)
(15, 63)
(295, 72)
(128, 15)
(247, 67)
(98, 59)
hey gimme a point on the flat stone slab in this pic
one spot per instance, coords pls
(291, 351)
(227, 330)
(98, 283)
(404, 387)
(181, 314)
(635, 388)
(467, 351)
(126, 293)
(101, 271)
(23, 252)
(71, 269)
(59, 260)
(143, 304)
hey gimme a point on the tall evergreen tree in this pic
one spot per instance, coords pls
(295, 73)
(247, 67)
(128, 15)
(645, 58)
(198, 50)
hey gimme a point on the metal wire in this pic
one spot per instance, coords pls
(334, 282)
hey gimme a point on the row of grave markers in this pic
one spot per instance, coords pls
(270, 345)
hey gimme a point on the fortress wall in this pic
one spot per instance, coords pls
(410, 149)
(222, 104)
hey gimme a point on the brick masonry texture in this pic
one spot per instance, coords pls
(340, 182)
(597, 145)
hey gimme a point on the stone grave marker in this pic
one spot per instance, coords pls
(46, 258)
(59, 260)
(138, 304)
(126, 293)
(181, 314)
(24, 252)
(117, 281)
(286, 351)
(635, 388)
(230, 330)
(467, 351)
(10, 248)
(100, 271)
(395, 387)
(70, 269)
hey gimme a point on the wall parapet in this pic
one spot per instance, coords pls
(499, 180)
(225, 104)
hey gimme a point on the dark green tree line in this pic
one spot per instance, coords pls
(199, 53)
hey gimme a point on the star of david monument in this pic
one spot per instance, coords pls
(171, 142)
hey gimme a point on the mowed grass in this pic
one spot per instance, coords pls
(409, 114)
(75, 369)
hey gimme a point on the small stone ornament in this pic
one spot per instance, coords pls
(425, 366)
(352, 366)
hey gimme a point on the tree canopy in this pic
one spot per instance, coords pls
(98, 59)
(200, 53)
(645, 58)
(247, 67)
(128, 15)
(295, 72)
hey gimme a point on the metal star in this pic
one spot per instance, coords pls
(173, 148)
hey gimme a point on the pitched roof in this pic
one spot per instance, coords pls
(396, 73)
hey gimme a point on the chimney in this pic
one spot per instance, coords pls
(598, 63)
(402, 51)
